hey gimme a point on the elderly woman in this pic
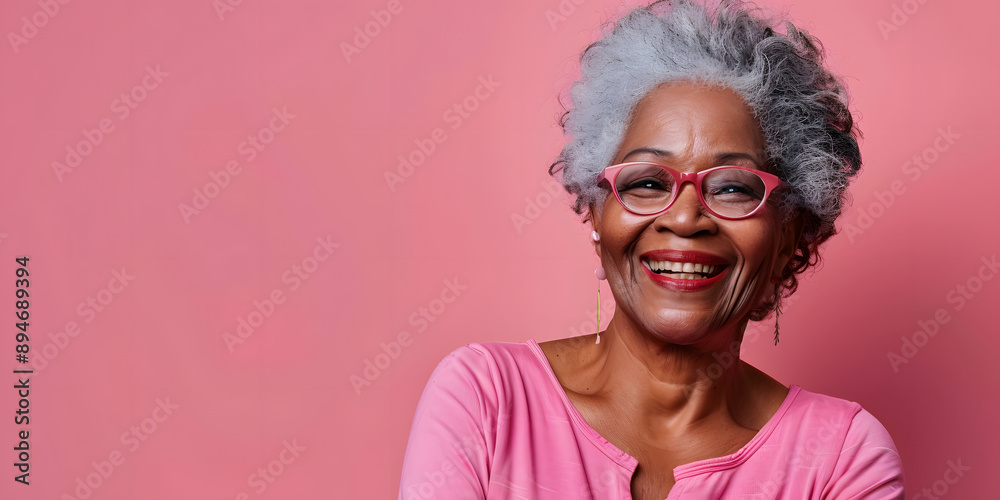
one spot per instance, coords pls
(710, 153)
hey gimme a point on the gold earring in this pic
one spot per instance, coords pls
(601, 275)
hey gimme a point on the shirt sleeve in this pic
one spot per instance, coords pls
(869, 466)
(453, 437)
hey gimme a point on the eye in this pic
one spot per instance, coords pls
(733, 185)
(734, 189)
(646, 183)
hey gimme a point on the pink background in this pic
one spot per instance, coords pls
(283, 398)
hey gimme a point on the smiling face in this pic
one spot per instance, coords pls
(685, 273)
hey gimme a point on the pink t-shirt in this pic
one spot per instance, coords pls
(494, 423)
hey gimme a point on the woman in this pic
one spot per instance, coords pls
(710, 154)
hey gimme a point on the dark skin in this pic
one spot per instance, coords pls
(646, 387)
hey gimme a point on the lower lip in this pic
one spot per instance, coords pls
(684, 285)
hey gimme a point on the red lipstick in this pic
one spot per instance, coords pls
(694, 257)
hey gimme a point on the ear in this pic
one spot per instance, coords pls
(791, 233)
(595, 224)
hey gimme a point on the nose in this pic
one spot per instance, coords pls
(686, 215)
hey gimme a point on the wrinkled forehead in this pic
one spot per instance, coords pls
(684, 122)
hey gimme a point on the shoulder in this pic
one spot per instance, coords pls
(836, 419)
(834, 414)
(866, 463)
(490, 369)
(454, 438)
(476, 389)
(831, 413)
(497, 358)
(480, 356)
(467, 392)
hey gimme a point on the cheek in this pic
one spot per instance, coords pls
(616, 248)
(619, 235)
(618, 230)
(751, 278)
(758, 243)
(758, 250)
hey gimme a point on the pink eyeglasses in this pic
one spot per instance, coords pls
(727, 192)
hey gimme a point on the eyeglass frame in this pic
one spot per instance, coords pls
(771, 183)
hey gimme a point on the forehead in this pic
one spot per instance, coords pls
(689, 120)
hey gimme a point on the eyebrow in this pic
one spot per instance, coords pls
(720, 158)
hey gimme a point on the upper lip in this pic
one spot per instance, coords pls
(692, 256)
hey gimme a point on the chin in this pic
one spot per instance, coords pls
(681, 327)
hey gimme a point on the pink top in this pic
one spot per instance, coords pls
(494, 422)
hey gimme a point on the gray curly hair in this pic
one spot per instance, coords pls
(800, 105)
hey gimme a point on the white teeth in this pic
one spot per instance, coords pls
(681, 270)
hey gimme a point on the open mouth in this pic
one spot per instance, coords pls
(683, 270)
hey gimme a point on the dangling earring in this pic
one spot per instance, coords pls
(601, 275)
(777, 306)
(777, 312)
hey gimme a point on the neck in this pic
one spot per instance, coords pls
(665, 383)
